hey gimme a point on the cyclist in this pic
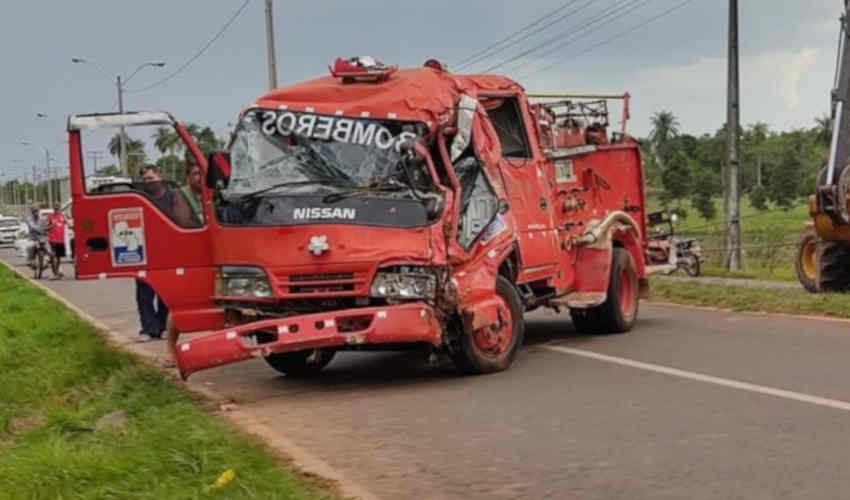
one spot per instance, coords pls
(38, 228)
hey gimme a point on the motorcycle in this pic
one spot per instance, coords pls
(686, 253)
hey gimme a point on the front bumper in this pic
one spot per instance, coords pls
(407, 323)
(7, 238)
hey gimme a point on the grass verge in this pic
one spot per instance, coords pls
(751, 299)
(58, 378)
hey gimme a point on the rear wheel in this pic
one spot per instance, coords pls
(301, 363)
(493, 348)
(619, 311)
(833, 264)
(805, 263)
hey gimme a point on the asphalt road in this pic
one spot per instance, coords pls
(691, 404)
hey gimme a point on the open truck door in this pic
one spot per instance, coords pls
(125, 230)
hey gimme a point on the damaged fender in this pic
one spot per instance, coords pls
(595, 251)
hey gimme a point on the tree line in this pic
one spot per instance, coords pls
(168, 143)
(776, 168)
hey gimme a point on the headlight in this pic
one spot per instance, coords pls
(405, 282)
(243, 281)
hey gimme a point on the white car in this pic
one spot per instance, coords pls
(9, 227)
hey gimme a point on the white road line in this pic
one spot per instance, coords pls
(709, 379)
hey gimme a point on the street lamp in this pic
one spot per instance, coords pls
(120, 86)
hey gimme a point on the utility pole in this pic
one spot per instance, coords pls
(49, 177)
(94, 155)
(270, 46)
(34, 192)
(123, 134)
(733, 208)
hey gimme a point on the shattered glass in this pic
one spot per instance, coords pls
(260, 161)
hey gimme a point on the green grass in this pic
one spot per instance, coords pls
(58, 377)
(769, 239)
(751, 299)
(752, 271)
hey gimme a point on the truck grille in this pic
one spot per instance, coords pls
(321, 283)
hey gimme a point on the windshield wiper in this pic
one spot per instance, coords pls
(380, 188)
(326, 182)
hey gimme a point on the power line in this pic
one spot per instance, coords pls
(531, 25)
(527, 35)
(576, 29)
(199, 53)
(612, 38)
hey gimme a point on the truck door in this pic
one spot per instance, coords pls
(526, 178)
(125, 228)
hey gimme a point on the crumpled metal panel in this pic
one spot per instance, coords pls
(466, 112)
(414, 94)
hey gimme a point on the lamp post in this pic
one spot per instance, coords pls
(121, 86)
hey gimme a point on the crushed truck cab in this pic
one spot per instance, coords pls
(381, 208)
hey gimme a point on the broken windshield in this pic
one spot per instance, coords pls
(284, 151)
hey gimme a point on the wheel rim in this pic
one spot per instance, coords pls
(808, 258)
(494, 342)
(628, 291)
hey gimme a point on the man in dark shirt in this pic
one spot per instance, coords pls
(153, 312)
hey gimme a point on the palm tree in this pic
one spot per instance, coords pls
(823, 129)
(207, 140)
(133, 145)
(166, 140)
(135, 151)
(665, 127)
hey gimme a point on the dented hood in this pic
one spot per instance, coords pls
(414, 94)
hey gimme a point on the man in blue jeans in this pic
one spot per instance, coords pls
(153, 319)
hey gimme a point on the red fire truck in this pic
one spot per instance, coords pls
(381, 208)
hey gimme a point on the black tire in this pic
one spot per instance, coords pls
(805, 260)
(614, 315)
(301, 363)
(695, 268)
(469, 357)
(39, 263)
(692, 268)
(833, 262)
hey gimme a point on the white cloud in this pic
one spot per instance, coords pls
(799, 63)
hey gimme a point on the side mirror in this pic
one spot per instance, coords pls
(218, 169)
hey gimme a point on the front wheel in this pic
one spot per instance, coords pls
(301, 363)
(493, 348)
(619, 311)
(39, 263)
(692, 266)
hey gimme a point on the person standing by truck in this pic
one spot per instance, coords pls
(192, 189)
(56, 237)
(153, 312)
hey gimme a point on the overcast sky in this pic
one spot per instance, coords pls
(676, 63)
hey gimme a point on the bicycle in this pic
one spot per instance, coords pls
(39, 261)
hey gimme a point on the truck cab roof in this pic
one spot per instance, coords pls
(409, 94)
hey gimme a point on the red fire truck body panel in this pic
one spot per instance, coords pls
(510, 221)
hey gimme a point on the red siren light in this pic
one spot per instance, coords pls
(364, 69)
(435, 64)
